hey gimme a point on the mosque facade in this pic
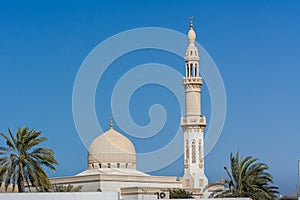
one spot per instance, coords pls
(112, 156)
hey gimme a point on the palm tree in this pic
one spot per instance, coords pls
(66, 188)
(247, 178)
(180, 194)
(21, 160)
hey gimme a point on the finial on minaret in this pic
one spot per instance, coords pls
(111, 122)
(191, 22)
(191, 33)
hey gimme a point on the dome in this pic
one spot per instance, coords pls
(111, 150)
(191, 35)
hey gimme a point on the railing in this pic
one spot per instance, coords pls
(193, 120)
(192, 80)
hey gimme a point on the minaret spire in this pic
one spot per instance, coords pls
(192, 57)
(191, 33)
(191, 22)
(193, 123)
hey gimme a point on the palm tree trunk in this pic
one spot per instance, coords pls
(21, 185)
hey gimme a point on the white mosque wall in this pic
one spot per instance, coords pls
(85, 196)
(140, 197)
(108, 186)
(115, 186)
(61, 196)
(113, 183)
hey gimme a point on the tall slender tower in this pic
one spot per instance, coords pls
(193, 123)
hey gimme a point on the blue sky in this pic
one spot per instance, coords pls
(255, 45)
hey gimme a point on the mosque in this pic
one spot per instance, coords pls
(112, 156)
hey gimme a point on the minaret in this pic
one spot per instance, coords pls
(193, 123)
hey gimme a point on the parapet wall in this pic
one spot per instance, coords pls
(61, 196)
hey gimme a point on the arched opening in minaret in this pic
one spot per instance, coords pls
(191, 70)
(187, 151)
(196, 70)
(200, 151)
(187, 70)
(194, 151)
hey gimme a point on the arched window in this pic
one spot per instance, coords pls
(187, 70)
(196, 70)
(191, 70)
(126, 165)
(187, 152)
(108, 165)
(193, 151)
(118, 165)
(92, 166)
(99, 165)
(200, 150)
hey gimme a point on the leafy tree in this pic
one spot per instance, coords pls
(180, 194)
(66, 188)
(247, 178)
(21, 160)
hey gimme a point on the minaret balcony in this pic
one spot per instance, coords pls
(193, 121)
(191, 58)
(192, 80)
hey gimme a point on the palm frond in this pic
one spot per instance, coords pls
(247, 178)
(22, 161)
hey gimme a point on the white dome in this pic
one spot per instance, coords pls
(191, 35)
(111, 148)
